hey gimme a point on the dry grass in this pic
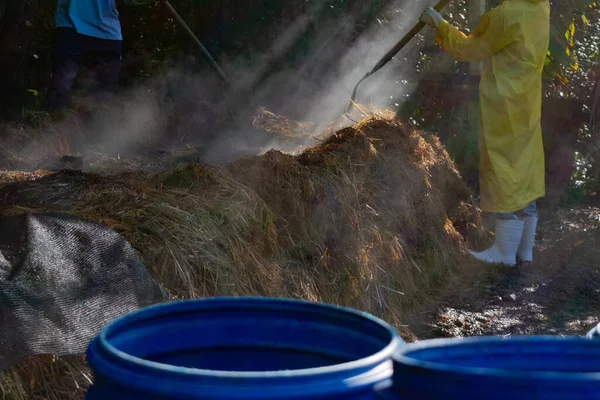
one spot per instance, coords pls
(47, 378)
(279, 125)
(375, 218)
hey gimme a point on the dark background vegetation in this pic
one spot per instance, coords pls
(247, 35)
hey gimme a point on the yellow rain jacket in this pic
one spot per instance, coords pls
(513, 40)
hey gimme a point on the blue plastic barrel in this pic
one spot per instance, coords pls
(242, 348)
(549, 368)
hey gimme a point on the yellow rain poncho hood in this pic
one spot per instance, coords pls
(513, 40)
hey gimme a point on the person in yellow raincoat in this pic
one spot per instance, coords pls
(512, 40)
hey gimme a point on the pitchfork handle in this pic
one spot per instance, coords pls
(193, 36)
(406, 39)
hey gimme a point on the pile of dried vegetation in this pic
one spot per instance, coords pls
(375, 218)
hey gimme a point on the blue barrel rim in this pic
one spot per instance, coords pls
(403, 358)
(161, 309)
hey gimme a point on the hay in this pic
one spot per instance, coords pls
(378, 213)
(281, 126)
(196, 228)
(47, 378)
(374, 218)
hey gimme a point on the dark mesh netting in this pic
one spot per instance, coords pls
(61, 280)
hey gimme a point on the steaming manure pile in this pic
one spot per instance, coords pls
(375, 218)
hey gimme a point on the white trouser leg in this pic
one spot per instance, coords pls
(525, 252)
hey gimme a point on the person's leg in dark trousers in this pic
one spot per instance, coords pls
(104, 58)
(65, 66)
(13, 52)
(109, 67)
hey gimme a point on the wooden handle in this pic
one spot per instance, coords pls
(185, 26)
(406, 39)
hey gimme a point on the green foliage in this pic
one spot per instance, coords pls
(569, 17)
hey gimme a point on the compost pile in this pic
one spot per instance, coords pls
(375, 218)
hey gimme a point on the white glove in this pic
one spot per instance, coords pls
(432, 17)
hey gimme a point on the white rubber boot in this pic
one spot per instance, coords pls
(525, 252)
(508, 238)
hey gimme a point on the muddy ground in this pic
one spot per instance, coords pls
(559, 294)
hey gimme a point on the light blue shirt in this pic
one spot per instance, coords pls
(96, 18)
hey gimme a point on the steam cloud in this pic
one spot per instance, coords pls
(188, 108)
